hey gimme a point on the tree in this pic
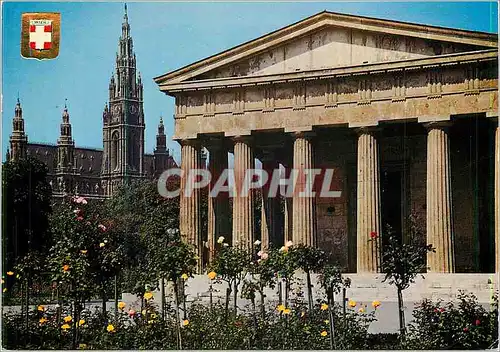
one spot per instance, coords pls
(402, 262)
(26, 207)
(309, 259)
(142, 219)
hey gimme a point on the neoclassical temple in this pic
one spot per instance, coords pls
(406, 115)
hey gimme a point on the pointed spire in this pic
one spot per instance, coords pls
(161, 138)
(65, 114)
(125, 25)
(18, 112)
(18, 138)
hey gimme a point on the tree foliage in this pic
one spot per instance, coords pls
(26, 196)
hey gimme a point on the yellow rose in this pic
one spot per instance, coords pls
(212, 275)
(10, 273)
(65, 327)
(121, 305)
(324, 306)
(352, 303)
(327, 321)
(81, 322)
(148, 295)
(68, 319)
(361, 310)
(101, 244)
(286, 311)
(324, 333)
(184, 276)
(41, 308)
(110, 328)
(43, 320)
(376, 304)
(185, 322)
(280, 308)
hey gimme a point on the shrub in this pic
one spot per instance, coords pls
(462, 325)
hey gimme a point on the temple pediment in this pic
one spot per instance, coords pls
(329, 40)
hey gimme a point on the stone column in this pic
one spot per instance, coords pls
(189, 213)
(287, 211)
(270, 206)
(497, 197)
(368, 202)
(218, 207)
(303, 207)
(439, 218)
(243, 212)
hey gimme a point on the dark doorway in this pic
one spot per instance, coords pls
(391, 201)
(472, 161)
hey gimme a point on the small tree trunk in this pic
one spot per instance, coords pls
(402, 325)
(27, 307)
(343, 306)
(228, 294)
(280, 292)
(235, 296)
(184, 314)
(309, 293)
(262, 304)
(210, 290)
(177, 315)
(331, 306)
(116, 299)
(58, 300)
(76, 319)
(163, 303)
(287, 289)
(104, 299)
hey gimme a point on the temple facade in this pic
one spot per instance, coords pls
(96, 173)
(405, 114)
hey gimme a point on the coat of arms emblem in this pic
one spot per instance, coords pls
(40, 35)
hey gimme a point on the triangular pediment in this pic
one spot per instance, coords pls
(329, 40)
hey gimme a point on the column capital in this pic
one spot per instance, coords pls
(442, 125)
(242, 139)
(193, 142)
(372, 130)
(303, 134)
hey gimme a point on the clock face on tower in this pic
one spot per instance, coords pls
(133, 109)
(117, 109)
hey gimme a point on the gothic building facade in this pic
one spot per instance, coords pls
(96, 173)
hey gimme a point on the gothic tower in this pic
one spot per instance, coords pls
(161, 154)
(123, 119)
(65, 145)
(66, 168)
(18, 139)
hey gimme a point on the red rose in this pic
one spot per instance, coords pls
(441, 310)
(373, 234)
(436, 310)
(478, 322)
(466, 329)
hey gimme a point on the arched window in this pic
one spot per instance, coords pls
(114, 150)
(132, 150)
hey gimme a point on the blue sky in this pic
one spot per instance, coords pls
(166, 36)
